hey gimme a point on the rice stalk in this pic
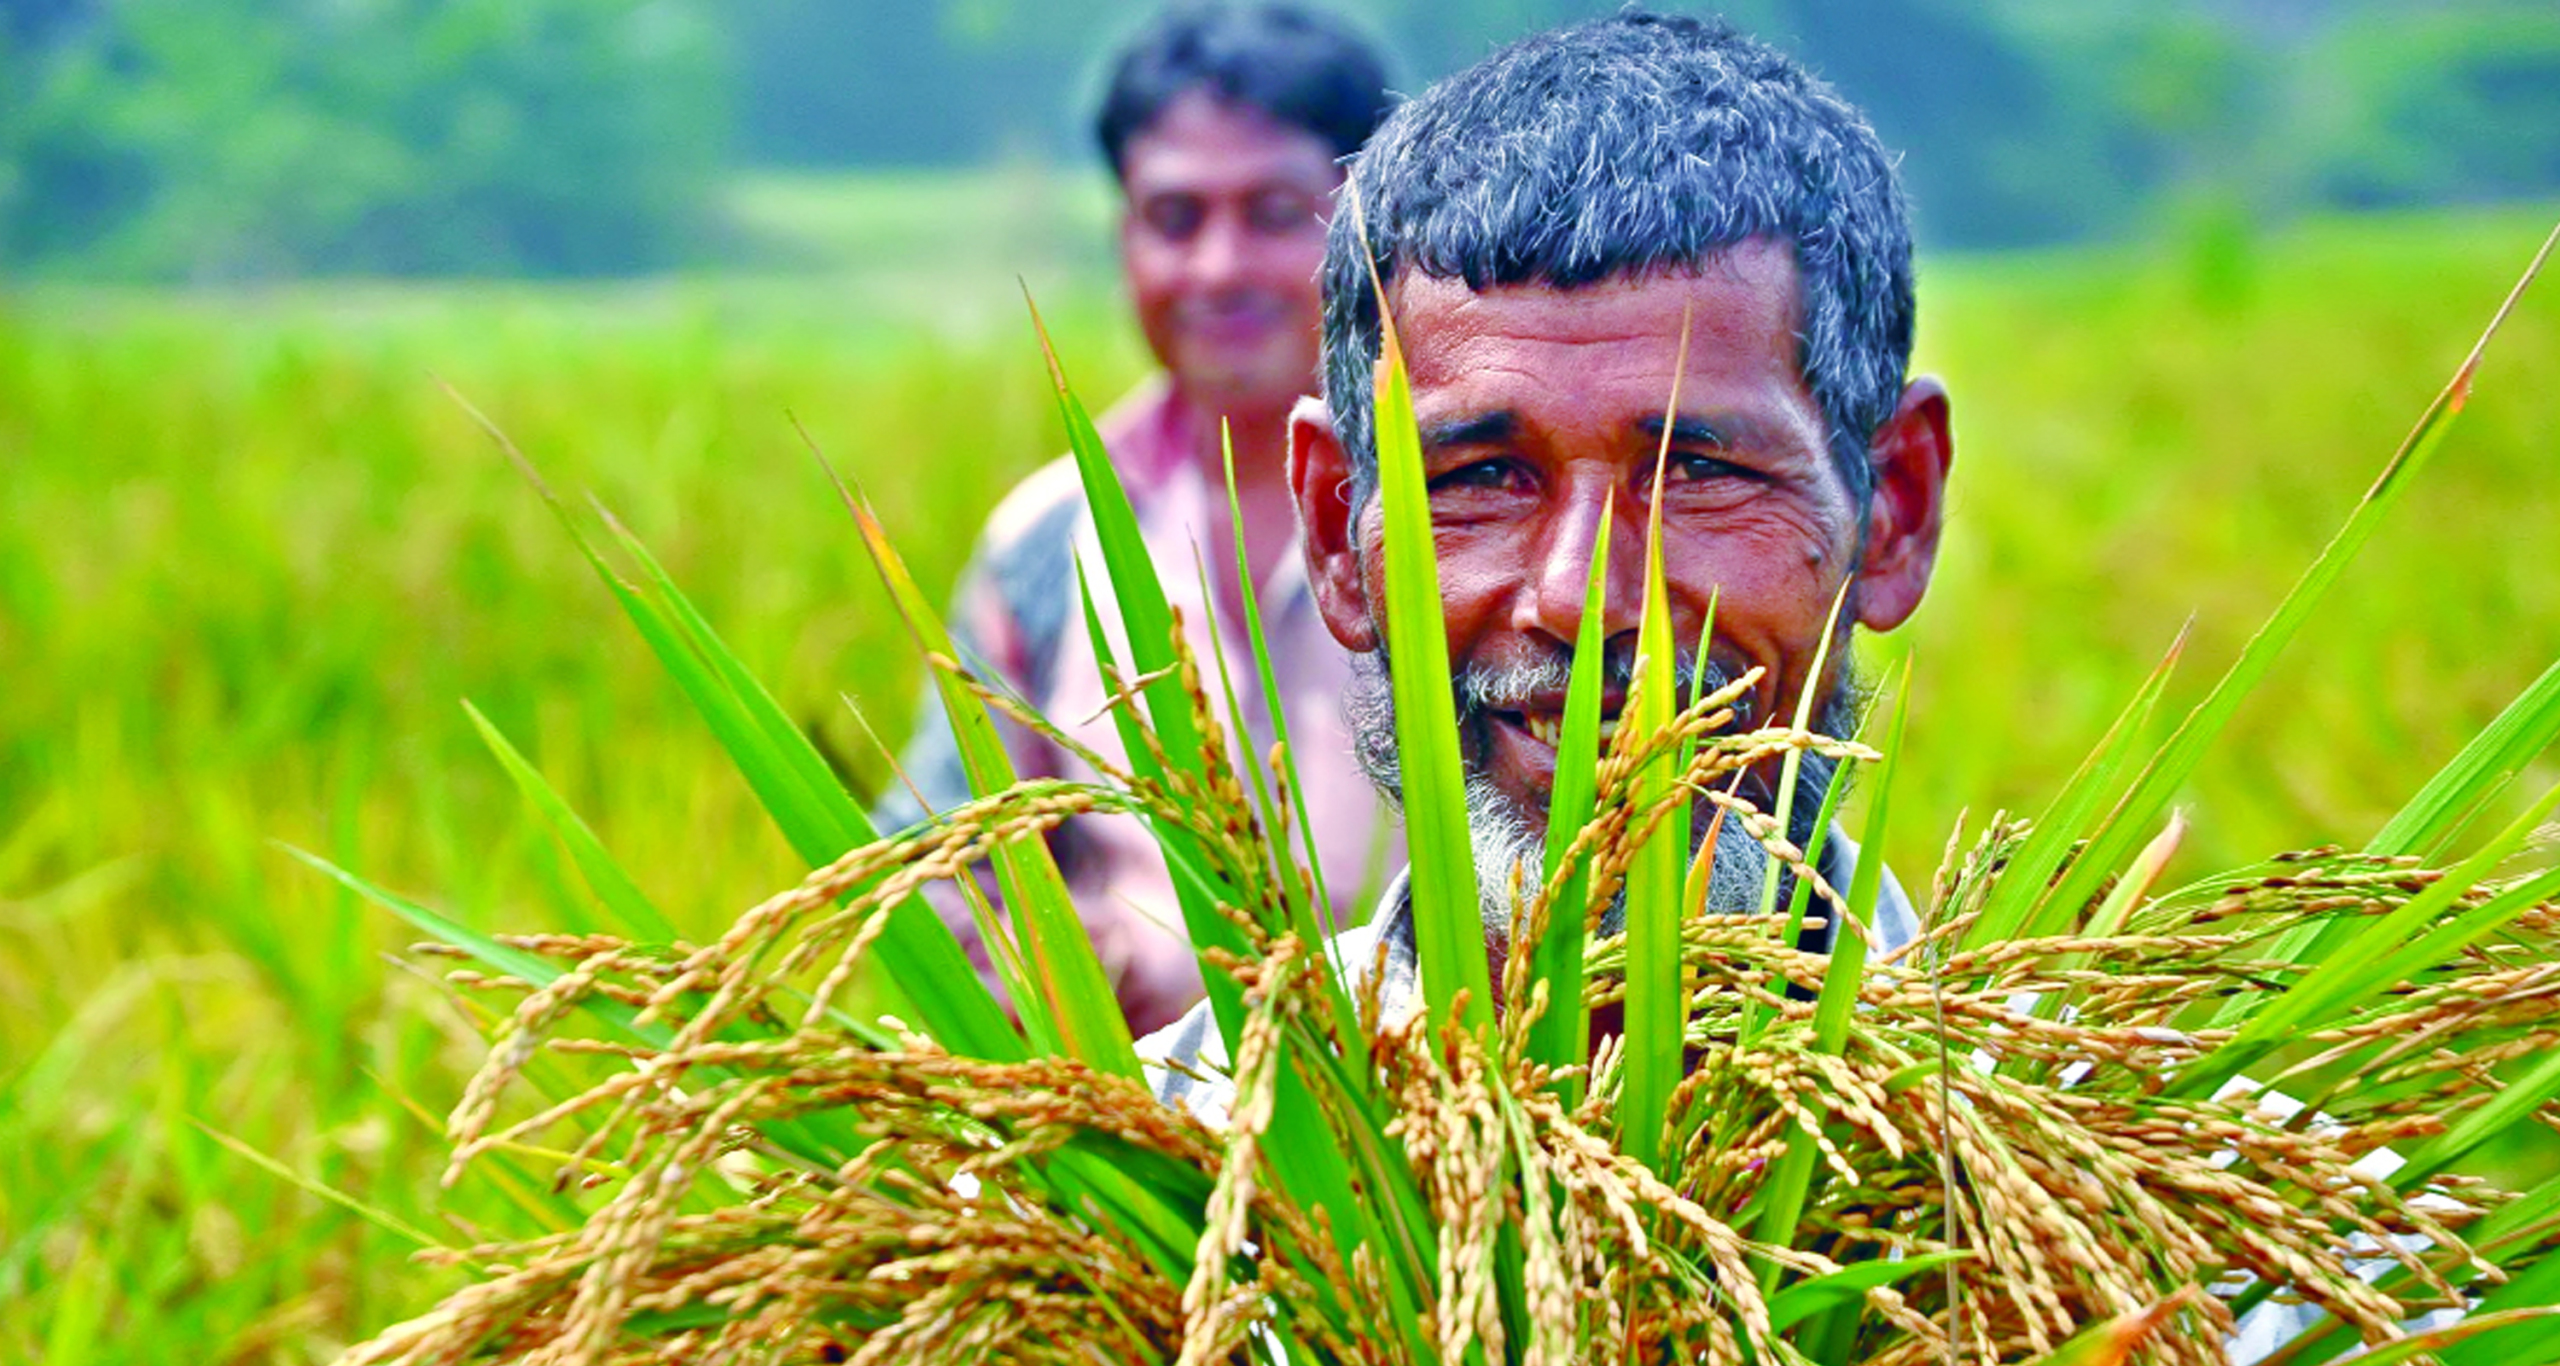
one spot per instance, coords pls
(2085, 1117)
(2083, 1189)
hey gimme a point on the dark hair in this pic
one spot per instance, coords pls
(1631, 144)
(1301, 68)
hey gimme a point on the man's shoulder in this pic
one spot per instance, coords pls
(1038, 501)
(1048, 495)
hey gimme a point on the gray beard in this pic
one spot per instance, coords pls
(1510, 852)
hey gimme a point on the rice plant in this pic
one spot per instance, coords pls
(2089, 1113)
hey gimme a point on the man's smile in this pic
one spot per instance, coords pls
(1520, 733)
(1545, 725)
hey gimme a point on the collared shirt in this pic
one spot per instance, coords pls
(1197, 1079)
(1017, 622)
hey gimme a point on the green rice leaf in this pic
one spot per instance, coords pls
(1656, 1005)
(1146, 619)
(2515, 1103)
(1074, 998)
(1702, 862)
(604, 876)
(1563, 1035)
(513, 962)
(918, 950)
(1848, 1286)
(1162, 1218)
(2478, 1330)
(1309, 899)
(2113, 841)
(2059, 829)
(1448, 935)
(1841, 975)
(2482, 770)
(1146, 616)
(372, 1214)
(1297, 790)
(1800, 900)
(1793, 767)
(2534, 1288)
(2381, 953)
(667, 1322)
(1449, 948)
(1250, 763)
(784, 798)
(1791, 1176)
(1310, 1162)
(1790, 770)
(832, 821)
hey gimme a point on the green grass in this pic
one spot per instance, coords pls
(252, 559)
(1020, 217)
(2133, 450)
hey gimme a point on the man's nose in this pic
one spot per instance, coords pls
(1561, 571)
(1218, 253)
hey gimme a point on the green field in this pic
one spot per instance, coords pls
(252, 558)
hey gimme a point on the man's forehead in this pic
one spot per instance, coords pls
(1201, 140)
(1741, 303)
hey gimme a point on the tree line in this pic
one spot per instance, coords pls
(255, 138)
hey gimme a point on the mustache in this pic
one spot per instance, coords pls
(1507, 686)
(1480, 689)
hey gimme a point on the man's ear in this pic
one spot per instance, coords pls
(1320, 481)
(1911, 455)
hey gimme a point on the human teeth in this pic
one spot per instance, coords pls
(1547, 728)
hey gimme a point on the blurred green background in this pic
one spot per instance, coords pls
(2190, 271)
(251, 139)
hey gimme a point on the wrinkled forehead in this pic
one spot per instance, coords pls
(1736, 313)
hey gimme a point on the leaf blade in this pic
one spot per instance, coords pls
(2110, 846)
(1448, 932)
(1562, 1035)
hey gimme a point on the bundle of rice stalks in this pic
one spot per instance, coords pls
(2084, 1114)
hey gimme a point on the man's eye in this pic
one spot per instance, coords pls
(1174, 217)
(1696, 467)
(1494, 475)
(1278, 212)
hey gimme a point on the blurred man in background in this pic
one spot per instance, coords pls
(1226, 127)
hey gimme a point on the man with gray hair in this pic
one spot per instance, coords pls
(1560, 229)
(1556, 228)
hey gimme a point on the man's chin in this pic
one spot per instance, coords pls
(1235, 379)
(1521, 806)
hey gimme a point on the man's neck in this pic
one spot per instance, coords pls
(1260, 434)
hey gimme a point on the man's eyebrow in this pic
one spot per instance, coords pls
(1691, 429)
(1482, 429)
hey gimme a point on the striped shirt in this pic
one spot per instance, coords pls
(1016, 622)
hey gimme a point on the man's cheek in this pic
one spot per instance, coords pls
(1472, 584)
